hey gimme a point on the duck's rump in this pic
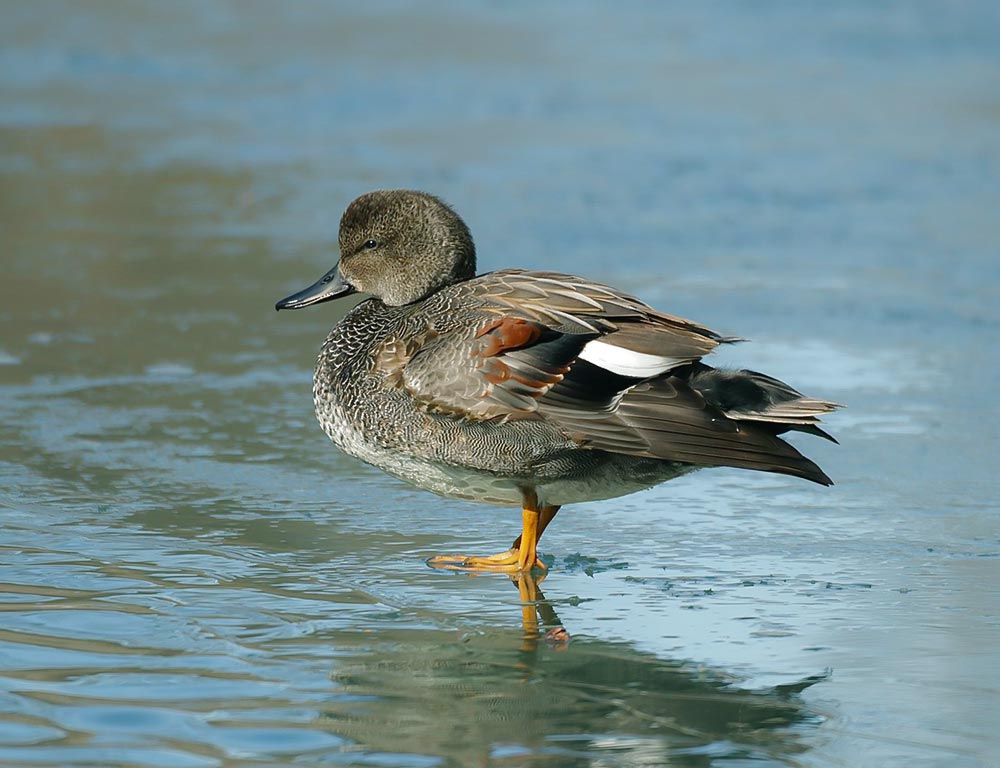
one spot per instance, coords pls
(695, 414)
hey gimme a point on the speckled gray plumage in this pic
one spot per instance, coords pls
(489, 460)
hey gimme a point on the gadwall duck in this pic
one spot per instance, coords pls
(534, 389)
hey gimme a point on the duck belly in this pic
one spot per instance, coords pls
(566, 478)
(607, 478)
(474, 463)
(594, 475)
(597, 475)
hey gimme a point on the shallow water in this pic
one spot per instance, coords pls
(190, 575)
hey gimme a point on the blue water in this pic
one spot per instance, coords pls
(190, 575)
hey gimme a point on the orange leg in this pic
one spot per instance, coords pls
(521, 557)
(544, 518)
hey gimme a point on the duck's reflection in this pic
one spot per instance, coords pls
(538, 617)
(533, 698)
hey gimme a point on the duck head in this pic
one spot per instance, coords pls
(399, 246)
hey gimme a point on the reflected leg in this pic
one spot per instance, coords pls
(537, 615)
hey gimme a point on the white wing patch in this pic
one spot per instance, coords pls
(626, 362)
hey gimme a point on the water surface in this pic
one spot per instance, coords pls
(190, 575)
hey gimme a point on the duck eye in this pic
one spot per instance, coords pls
(369, 244)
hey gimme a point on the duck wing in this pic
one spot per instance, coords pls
(494, 346)
(602, 368)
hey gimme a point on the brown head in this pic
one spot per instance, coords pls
(399, 246)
